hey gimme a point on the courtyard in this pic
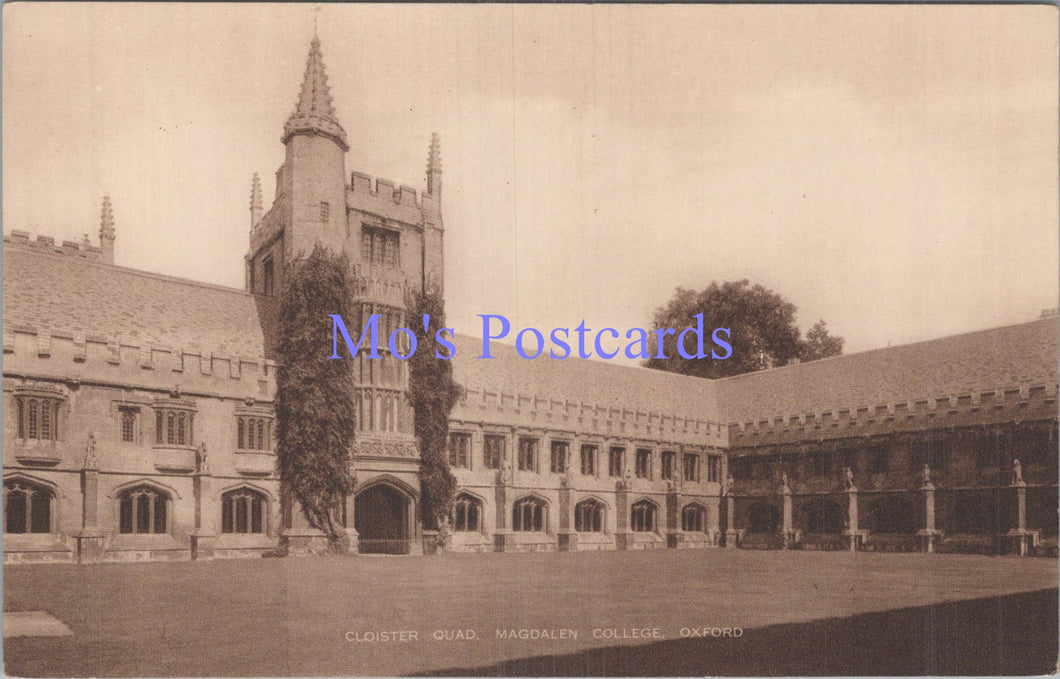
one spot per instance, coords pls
(668, 612)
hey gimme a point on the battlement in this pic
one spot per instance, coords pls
(920, 413)
(71, 248)
(131, 362)
(532, 411)
(362, 184)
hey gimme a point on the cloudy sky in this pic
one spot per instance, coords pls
(890, 169)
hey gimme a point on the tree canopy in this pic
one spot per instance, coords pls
(763, 330)
(314, 399)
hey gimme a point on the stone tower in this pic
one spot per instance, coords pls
(392, 235)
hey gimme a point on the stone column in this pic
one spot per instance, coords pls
(623, 535)
(1020, 537)
(89, 540)
(674, 536)
(732, 535)
(351, 524)
(203, 538)
(788, 529)
(928, 536)
(503, 540)
(852, 519)
(566, 536)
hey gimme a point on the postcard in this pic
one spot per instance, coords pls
(530, 339)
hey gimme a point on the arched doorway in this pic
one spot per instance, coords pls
(381, 517)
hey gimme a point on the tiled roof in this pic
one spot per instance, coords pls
(63, 295)
(582, 381)
(1024, 354)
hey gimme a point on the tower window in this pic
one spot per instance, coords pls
(325, 211)
(267, 271)
(129, 417)
(380, 247)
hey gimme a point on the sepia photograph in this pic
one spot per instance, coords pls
(530, 339)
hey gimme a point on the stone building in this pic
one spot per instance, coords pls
(139, 421)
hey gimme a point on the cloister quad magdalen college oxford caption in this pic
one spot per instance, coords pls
(139, 422)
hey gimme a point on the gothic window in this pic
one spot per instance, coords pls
(27, 507)
(643, 466)
(589, 516)
(714, 468)
(669, 458)
(459, 450)
(588, 455)
(325, 211)
(692, 518)
(467, 513)
(173, 427)
(38, 417)
(528, 515)
(492, 451)
(558, 459)
(692, 467)
(143, 509)
(243, 511)
(528, 454)
(615, 462)
(268, 275)
(253, 433)
(642, 516)
(130, 416)
(380, 246)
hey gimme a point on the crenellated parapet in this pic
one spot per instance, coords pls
(383, 198)
(128, 361)
(1000, 404)
(519, 409)
(83, 249)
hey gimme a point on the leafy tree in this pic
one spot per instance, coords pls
(314, 400)
(819, 344)
(762, 324)
(432, 395)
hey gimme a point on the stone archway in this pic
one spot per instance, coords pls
(383, 519)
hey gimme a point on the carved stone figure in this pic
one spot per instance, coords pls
(91, 462)
(783, 480)
(1017, 471)
(506, 472)
(927, 474)
(848, 474)
(203, 467)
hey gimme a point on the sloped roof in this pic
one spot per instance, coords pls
(579, 380)
(1023, 354)
(63, 295)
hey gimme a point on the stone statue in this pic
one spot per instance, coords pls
(927, 474)
(1017, 472)
(848, 473)
(90, 452)
(506, 472)
(629, 480)
(783, 480)
(203, 467)
(729, 481)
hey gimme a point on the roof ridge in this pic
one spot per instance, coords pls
(126, 269)
(888, 348)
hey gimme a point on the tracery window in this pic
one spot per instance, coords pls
(143, 509)
(589, 516)
(467, 514)
(38, 417)
(528, 515)
(27, 507)
(692, 518)
(642, 516)
(243, 511)
(253, 433)
(173, 427)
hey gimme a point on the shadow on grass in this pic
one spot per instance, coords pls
(1007, 635)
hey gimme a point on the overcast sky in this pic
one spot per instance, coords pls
(890, 169)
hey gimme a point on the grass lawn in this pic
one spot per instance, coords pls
(800, 613)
